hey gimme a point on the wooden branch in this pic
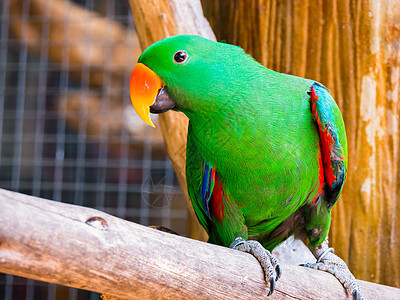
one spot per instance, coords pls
(88, 249)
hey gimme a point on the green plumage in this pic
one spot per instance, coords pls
(256, 127)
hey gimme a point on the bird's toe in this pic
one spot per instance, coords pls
(269, 263)
(331, 263)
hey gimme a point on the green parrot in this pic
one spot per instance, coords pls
(266, 152)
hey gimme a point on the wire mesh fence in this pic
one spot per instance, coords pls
(67, 129)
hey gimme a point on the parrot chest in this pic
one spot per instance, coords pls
(267, 173)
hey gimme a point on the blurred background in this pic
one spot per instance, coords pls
(68, 131)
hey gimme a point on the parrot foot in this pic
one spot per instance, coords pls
(269, 264)
(331, 263)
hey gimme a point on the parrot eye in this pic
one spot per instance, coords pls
(180, 56)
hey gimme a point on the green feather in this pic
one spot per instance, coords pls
(256, 127)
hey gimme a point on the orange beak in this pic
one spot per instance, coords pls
(143, 87)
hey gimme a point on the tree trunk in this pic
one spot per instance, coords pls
(353, 48)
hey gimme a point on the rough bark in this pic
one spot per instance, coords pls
(353, 48)
(88, 249)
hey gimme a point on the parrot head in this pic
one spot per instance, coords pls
(187, 73)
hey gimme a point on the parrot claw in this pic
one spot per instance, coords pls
(278, 271)
(331, 263)
(269, 264)
(356, 295)
(271, 286)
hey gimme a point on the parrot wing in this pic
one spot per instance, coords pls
(333, 143)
